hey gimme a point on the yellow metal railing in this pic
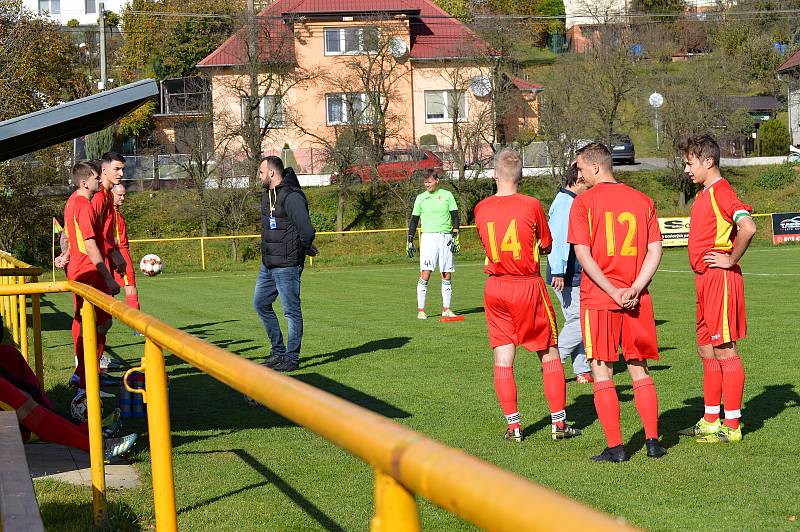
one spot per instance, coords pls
(203, 239)
(405, 462)
(14, 308)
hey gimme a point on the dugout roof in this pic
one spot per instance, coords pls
(64, 122)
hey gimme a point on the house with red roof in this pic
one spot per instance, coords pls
(322, 63)
(789, 72)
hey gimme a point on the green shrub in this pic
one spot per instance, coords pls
(776, 177)
(429, 139)
(774, 137)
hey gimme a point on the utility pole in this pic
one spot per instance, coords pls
(254, 99)
(103, 80)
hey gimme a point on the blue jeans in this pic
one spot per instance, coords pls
(283, 282)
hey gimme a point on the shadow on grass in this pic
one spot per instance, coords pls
(270, 477)
(200, 403)
(473, 310)
(54, 319)
(363, 349)
(768, 404)
(580, 413)
(67, 517)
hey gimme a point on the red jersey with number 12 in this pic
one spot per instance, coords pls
(513, 230)
(617, 223)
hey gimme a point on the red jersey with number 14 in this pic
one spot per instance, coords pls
(617, 223)
(513, 230)
(81, 224)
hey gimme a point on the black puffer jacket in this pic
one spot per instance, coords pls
(288, 243)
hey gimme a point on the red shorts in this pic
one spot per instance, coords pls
(95, 280)
(720, 306)
(129, 279)
(605, 331)
(519, 312)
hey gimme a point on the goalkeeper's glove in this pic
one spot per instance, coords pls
(455, 243)
(410, 248)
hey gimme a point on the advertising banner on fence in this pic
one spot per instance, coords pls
(785, 227)
(674, 231)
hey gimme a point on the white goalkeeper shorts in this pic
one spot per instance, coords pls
(434, 250)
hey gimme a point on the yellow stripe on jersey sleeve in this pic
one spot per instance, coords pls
(722, 238)
(79, 236)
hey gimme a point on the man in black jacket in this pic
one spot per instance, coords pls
(286, 238)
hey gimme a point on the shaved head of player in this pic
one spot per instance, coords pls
(594, 164)
(514, 232)
(615, 234)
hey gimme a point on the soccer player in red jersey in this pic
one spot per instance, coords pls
(514, 231)
(614, 229)
(719, 233)
(128, 279)
(112, 168)
(87, 263)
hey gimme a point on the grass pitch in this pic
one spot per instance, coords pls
(244, 468)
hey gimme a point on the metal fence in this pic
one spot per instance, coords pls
(145, 172)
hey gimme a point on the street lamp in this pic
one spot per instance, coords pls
(656, 101)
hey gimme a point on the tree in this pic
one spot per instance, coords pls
(609, 76)
(171, 46)
(38, 63)
(683, 117)
(563, 97)
(99, 142)
(739, 127)
(774, 137)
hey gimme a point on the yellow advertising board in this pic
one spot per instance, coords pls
(674, 231)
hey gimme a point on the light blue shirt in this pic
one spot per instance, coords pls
(561, 259)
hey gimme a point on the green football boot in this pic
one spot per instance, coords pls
(725, 434)
(701, 428)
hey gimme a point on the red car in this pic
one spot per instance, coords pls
(399, 165)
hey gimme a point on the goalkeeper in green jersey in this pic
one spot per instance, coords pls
(437, 212)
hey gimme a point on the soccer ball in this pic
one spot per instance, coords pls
(79, 410)
(151, 265)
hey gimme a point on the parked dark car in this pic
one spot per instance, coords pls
(622, 150)
(399, 165)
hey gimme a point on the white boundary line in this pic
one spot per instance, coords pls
(743, 273)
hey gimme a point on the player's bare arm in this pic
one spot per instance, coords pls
(595, 273)
(557, 283)
(649, 267)
(97, 259)
(746, 229)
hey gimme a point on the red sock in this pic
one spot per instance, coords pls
(76, 333)
(101, 345)
(51, 427)
(555, 390)
(644, 395)
(712, 388)
(607, 404)
(732, 389)
(132, 300)
(506, 389)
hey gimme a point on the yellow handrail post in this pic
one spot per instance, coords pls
(202, 253)
(37, 335)
(4, 300)
(395, 506)
(92, 372)
(14, 313)
(23, 322)
(160, 438)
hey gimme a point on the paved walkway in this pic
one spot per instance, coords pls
(58, 462)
